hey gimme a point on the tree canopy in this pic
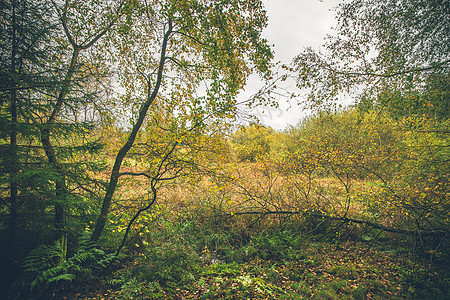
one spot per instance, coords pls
(381, 47)
(87, 65)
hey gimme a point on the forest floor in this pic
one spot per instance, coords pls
(279, 267)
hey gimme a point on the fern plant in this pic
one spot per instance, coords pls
(47, 267)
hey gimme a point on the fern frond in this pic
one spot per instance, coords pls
(47, 266)
(62, 277)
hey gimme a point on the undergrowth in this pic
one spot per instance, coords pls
(47, 270)
(184, 261)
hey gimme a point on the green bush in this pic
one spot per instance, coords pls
(278, 245)
(168, 261)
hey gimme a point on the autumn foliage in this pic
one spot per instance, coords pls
(129, 170)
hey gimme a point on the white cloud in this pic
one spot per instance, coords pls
(293, 25)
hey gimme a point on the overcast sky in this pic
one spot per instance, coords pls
(293, 25)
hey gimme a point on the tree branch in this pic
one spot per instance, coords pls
(428, 232)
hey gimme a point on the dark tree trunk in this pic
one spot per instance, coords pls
(13, 209)
(115, 173)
